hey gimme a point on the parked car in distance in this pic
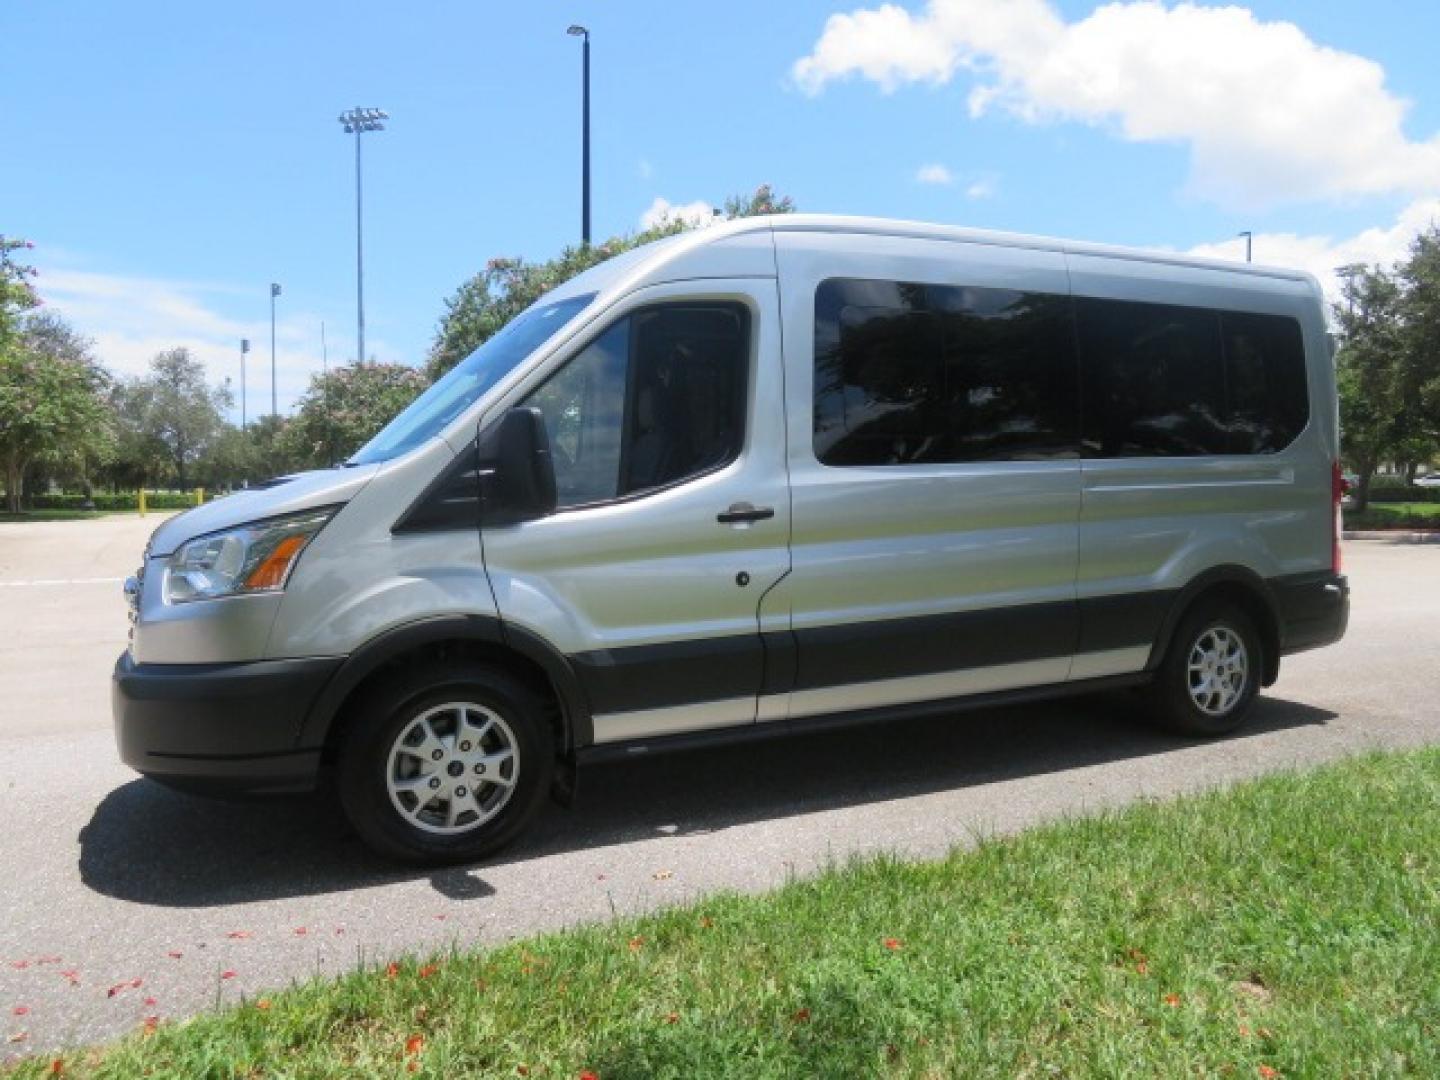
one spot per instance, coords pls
(1430, 481)
(745, 480)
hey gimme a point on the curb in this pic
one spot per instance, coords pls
(1393, 536)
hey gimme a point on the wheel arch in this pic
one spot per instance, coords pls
(483, 638)
(1240, 585)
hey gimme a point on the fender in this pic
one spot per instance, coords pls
(575, 711)
(1228, 574)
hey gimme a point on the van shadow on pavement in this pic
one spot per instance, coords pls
(149, 845)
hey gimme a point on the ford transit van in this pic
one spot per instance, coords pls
(751, 478)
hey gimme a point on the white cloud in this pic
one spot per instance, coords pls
(1267, 114)
(934, 174)
(662, 210)
(983, 188)
(131, 319)
(1320, 255)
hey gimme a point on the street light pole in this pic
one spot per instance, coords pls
(244, 348)
(274, 406)
(1249, 238)
(581, 32)
(358, 121)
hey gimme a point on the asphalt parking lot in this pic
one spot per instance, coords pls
(122, 900)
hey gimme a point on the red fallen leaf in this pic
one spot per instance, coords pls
(18, 1037)
(229, 973)
(20, 964)
(801, 1016)
(174, 955)
(301, 931)
(892, 944)
(148, 1027)
(1142, 968)
(20, 1010)
(428, 970)
(239, 935)
(339, 930)
(1173, 1000)
(636, 943)
(73, 975)
(263, 1004)
(1268, 1073)
(150, 1002)
(441, 918)
(599, 877)
(412, 1066)
(392, 969)
(522, 1070)
(133, 984)
(57, 1067)
(587, 1074)
(672, 1018)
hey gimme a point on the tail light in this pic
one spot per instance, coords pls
(1338, 484)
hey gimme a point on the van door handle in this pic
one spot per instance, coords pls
(742, 513)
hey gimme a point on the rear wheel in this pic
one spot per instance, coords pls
(1211, 674)
(446, 764)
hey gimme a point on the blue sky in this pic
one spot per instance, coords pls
(171, 159)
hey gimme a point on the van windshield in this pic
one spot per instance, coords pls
(463, 385)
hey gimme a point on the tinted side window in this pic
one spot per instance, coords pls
(657, 398)
(927, 374)
(1154, 382)
(1265, 381)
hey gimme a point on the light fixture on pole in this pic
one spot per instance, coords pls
(357, 121)
(274, 292)
(581, 32)
(244, 348)
(1249, 240)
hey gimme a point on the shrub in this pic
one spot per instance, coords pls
(125, 500)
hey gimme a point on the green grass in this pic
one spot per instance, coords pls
(50, 515)
(1290, 924)
(1400, 515)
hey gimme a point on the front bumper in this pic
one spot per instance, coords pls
(217, 728)
(1313, 610)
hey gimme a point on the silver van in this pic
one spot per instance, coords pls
(747, 479)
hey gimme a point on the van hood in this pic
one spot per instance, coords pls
(271, 498)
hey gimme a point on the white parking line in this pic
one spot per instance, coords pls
(63, 581)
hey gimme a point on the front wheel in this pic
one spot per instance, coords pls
(1211, 673)
(446, 764)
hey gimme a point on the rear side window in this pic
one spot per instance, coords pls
(907, 373)
(656, 399)
(1170, 381)
(1265, 381)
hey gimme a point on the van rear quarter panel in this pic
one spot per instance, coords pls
(1153, 524)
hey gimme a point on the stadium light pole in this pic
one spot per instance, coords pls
(244, 348)
(581, 32)
(1249, 241)
(274, 406)
(357, 121)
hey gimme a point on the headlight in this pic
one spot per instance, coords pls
(253, 558)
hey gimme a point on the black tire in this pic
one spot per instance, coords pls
(365, 758)
(1170, 700)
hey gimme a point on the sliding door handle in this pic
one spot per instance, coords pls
(742, 513)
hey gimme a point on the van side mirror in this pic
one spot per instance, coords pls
(521, 486)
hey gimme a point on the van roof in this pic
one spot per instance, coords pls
(645, 261)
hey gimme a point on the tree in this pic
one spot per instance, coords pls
(1419, 375)
(17, 295)
(1367, 372)
(170, 418)
(507, 286)
(51, 403)
(343, 409)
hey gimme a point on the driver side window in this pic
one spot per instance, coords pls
(656, 399)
